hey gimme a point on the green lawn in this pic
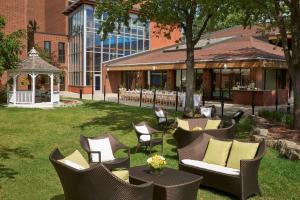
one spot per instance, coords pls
(27, 136)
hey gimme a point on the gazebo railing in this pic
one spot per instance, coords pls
(21, 97)
(24, 96)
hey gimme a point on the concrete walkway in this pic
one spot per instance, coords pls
(229, 108)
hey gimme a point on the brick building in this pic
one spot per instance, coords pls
(71, 37)
(52, 29)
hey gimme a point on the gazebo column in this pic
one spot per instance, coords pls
(15, 89)
(52, 82)
(33, 76)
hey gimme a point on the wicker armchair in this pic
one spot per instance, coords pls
(96, 182)
(185, 137)
(243, 185)
(151, 142)
(115, 145)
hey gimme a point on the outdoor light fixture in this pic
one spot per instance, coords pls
(225, 66)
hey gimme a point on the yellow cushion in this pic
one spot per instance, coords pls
(122, 174)
(241, 151)
(184, 124)
(77, 159)
(217, 152)
(197, 128)
(212, 124)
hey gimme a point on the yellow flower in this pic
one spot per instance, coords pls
(156, 161)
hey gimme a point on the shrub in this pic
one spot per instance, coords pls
(278, 116)
(3, 95)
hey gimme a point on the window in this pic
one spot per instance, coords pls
(47, 47)
(61, 52)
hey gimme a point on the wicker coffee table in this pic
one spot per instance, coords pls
(170, 185)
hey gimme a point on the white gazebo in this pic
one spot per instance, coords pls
(33, 97)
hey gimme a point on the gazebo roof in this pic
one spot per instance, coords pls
(34, 63)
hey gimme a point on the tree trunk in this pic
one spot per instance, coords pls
(296, 90)
(190, 80)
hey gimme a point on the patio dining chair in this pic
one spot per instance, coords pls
(102, 149)
(145, 136)
(162, 118)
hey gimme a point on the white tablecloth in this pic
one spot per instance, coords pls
(197, 99)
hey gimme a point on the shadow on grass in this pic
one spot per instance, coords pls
(7, 153)
(118, 117)
(58, 197)
(7, 173)
(217, 192)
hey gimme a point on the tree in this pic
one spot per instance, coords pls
(10, 47)
(282, 16)
(194, 17)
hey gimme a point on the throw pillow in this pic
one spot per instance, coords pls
(160, 113)
(206, 111)
(212, 124)
(184, 124)
(122, 174)
(75, 160)
(103, 146)
(217, 152)
(241, 151)
(142, 129)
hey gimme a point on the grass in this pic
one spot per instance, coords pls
(28, 136)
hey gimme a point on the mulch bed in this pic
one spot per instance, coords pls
(284, 133)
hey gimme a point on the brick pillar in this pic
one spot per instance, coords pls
(170, 80)
(207, 83)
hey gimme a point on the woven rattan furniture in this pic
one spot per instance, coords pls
(185, 137)
(96, 182)
(152, 141)
(115, 145)
(242, 185)
(170, 185)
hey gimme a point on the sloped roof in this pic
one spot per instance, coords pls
(234, 44)
(34, 63)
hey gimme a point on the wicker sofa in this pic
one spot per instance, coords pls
(96, 182)
(185, 137)
(242, 183)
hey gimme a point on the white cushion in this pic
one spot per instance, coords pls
(206, 111)
(74, 165)
(160, 113)
(103, 146)
(145, 138)
(212, 167)
(160, 120)
(142, 129)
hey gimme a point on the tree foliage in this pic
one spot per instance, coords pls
(193, 17)
(10, 47)
(283, 17)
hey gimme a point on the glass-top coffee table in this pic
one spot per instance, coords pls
(172, 184)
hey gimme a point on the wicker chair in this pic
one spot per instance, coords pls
(115, 145)
(96, 182)
(243, 185)
(163, 121)
(152, 141)
(185, 137)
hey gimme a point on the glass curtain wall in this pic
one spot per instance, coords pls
(76, 25)
(126, 42)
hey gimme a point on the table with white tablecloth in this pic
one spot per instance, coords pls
(197, 99)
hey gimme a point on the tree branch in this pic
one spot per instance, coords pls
(199, 34)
